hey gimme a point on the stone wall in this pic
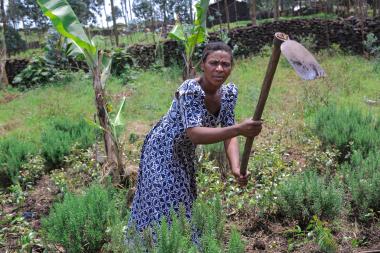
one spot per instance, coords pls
(251, 39)
(15, 66)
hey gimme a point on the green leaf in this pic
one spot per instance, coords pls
(105, 68)
(118, 119)
(66, 23)
(177, 33)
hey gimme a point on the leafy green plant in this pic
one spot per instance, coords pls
(191, 36)
(80, 222)
(322, 235)
(14, 153)
(60, 136)
(371, 45)
(36, 73)
(307, 194)
(67, 23)
(120, 60)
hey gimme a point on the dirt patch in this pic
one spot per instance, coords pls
(40, 200)
(8, 127)
(8, 97)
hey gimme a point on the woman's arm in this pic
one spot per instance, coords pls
(231, 147)
(208, 135)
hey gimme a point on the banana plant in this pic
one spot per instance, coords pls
(191, 36)
(67, 24)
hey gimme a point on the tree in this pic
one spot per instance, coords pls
(3, 49)
(227, 11)
(113, 13)
(191, 36)
(252, 11)
(66, 23)
(143, 9)
(276, 12)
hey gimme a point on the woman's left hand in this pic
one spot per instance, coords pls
(241, 179)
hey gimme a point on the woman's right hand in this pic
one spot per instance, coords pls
(250, 128)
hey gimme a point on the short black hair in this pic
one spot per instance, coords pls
(216, 46)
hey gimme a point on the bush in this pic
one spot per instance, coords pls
(13, 154)
(80, 222)
(308, 194)
(59, 137)
(348, 130)
(362, 177)
(121, 61)
(36, 73)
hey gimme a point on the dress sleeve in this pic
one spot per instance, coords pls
(191, 100)
(228, 117)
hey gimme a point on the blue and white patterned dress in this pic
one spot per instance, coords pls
(167, 172)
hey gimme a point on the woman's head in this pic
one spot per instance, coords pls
(216, 46)
(216, 64)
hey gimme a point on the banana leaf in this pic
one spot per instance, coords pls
(67, 23)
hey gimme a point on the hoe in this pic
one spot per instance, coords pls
(302, 61)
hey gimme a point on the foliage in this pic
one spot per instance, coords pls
(362, 177)
(235, 245)
(307, 194)
(13, 154)
(13, 40)
(120, 60)
(191, 36)
(36, 73)
(31, 170)
(60, 135)
(371, 45)
(80, 222)
(322, 235)
(347, 129)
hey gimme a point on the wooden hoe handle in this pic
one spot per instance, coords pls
(271, 69)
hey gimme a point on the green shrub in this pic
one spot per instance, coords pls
(36, 73)
(362, 177)
(13, 154)
(348, 130)
(59, 137)
(307, 194)
(121, 61)
(80, 222)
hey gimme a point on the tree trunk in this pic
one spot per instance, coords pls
(3, 50)
(235, 9)
(130, 9)
(114, 165)
(226, 10)
(220, 17)
(114, 23)
(191, 11)
(253, 11)
(125, 11)
(105, 13)
(276, 13)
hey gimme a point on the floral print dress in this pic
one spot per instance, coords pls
(166, 177)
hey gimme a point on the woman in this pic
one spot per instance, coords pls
(167, 174)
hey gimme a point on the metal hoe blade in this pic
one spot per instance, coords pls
(303, 62)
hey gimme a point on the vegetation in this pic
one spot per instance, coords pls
(61, 135)
(80, 222)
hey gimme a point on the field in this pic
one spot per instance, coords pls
(289, 145)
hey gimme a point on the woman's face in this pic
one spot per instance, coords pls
(217, 67)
